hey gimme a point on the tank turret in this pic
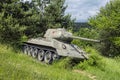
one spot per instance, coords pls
(62, 34)
(59, 33)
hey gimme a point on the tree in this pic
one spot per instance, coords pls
(108, 23)
(55, 17)
(25, 19)
(16, 20)
(10, 29)
(90, 33)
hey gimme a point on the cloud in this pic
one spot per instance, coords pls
(25, 0)
(83, 9)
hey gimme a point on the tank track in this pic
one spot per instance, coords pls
(42, 53)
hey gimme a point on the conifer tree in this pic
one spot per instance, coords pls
(10, 29)
(55, 15)
(16, 20)
(20, 19)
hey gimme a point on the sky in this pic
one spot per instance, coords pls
(81, 10)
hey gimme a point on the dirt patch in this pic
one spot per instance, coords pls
(85, 74)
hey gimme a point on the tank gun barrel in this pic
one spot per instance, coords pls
(86, 39)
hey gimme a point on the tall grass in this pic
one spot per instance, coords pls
(18, 66)
(103, 68)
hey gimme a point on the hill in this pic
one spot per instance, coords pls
(78, 25)
(18, 66)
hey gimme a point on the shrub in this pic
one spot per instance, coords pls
(66, 63)
(95, 60)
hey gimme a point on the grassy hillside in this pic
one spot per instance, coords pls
(17, 66)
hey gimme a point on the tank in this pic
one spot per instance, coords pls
(56, 43)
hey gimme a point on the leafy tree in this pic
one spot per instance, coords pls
(86, 33)
(108, 22)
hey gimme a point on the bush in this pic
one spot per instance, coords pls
(66, 63)
(95, 60)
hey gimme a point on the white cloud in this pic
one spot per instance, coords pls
(83, 9)
(25, 0)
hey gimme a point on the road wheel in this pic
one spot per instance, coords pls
(41, 55)
(48, 57)
(34, 52)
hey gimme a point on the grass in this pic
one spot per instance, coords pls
(103, 68)
(18, 66)
(110, 72)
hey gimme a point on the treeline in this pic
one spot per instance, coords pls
(21, 20)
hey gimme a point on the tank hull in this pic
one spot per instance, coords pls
(56, 47)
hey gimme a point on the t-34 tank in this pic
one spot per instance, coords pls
(56, 43)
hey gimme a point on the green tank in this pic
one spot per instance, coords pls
(56, 43)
